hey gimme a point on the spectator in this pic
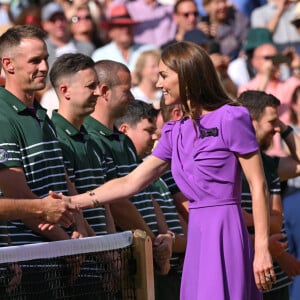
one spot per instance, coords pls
(186, 17)
(31, 15)
(266, 62)
(146, 76)
(225, 25)
(83, 27)
(155, 24)
(70, 7)
(244, 6)
(5, 13)
(276, 16)
(296, 22)
(122, 47)
(59, 39)
(241, 69)
(221, 62)
(197, 36)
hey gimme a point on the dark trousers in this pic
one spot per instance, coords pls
(279, 294)
(167, 287)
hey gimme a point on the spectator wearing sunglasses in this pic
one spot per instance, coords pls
(83, 27)
(59, 39)
(186, 17)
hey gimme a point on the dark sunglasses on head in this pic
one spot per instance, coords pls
(76, 19)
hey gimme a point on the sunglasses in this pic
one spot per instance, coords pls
(76, 19)
(187, 14)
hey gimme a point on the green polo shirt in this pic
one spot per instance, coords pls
(85, 165)
(28, 140)
(120, 148)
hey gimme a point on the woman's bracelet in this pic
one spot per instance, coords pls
(95, 202)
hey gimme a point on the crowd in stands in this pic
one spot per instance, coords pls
(253, 45)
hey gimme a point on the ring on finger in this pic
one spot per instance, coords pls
(268, 276)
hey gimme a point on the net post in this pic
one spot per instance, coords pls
(144, 278)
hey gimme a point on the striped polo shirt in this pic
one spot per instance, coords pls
(121, 149)
(28, 140)
(85, 165)
(273, 182)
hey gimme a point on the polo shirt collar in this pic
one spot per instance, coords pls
(67, 127)
(19, 107)
(99, 127)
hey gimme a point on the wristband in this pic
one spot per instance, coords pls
(285, 134)
(172, 234)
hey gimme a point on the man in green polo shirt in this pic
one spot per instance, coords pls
(31, 162)
(30, 156)
(76, 84)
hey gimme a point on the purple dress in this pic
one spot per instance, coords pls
(219, 254)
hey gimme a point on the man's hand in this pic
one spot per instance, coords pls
(162, 251)
(289, 264)
(80, 226)
(56, 210)
(276, 247)
(16, 277)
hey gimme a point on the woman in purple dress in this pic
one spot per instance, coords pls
(207, 150)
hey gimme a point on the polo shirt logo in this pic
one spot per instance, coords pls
(3, 155)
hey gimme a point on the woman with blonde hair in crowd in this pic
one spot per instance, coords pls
(145, 76)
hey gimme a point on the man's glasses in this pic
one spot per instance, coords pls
(187, 14)
(76, 19)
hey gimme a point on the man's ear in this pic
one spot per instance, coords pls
(63, 89)
(124, 128)
(104, 91)
(7, 64)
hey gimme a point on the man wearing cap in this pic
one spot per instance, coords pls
(122, 47)
(59, 40)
